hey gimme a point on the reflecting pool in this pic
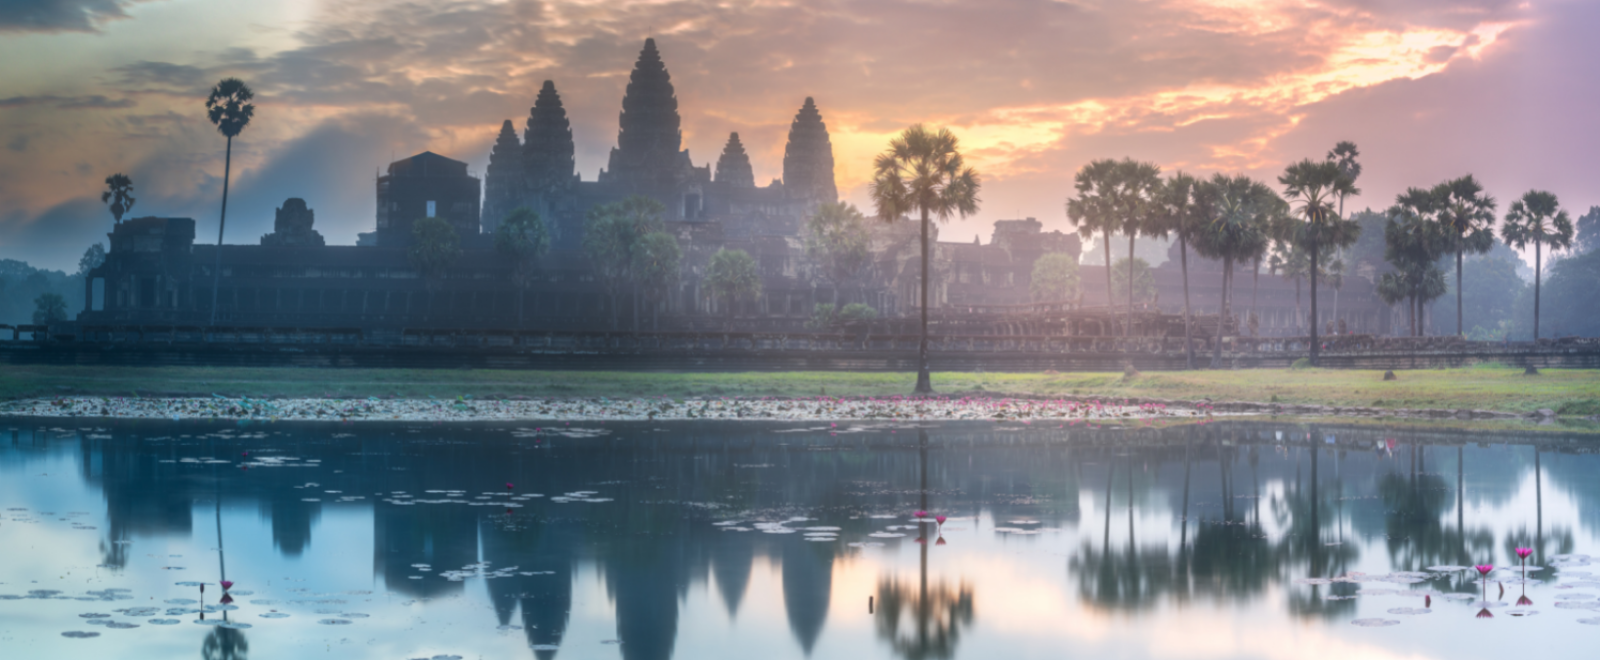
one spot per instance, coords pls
(1234, 539)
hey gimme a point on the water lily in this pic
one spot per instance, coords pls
(920, 514)
(940, 541)
(226, 585)
(1523, 601)
(1524, 553)
(940, 518)
(1485, 614)
(1483, 569)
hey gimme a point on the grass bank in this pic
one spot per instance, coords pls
(1484, 387)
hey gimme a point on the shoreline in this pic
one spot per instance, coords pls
(975, 406)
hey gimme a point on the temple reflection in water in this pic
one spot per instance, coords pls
(1142, 519)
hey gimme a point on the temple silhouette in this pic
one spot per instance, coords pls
(156, 274)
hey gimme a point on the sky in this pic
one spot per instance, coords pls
(1428, 89)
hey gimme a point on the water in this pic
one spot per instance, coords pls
(650, 540)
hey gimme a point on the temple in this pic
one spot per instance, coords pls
(155, 274)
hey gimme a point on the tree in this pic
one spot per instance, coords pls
(1238, 214)
(1588, 226)
(1414, 241)
(1537, 218)
(522, 239)
(1491, 291)
(1055, 278)
(825, 316)
(655, 264)
(435, 248)
(1467, 215)
(49, 308)
(732, 276)
(1176, 212)
(612, 234)
(119, 195)
(1142, 284)
(1574, 294)
(1116, 196)
(230, 109)
(1314, 186)
(1344, 155)
(91, 259)
(923, 172)
(838, 241)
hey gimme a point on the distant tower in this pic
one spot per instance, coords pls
(648, 141)
(504, 184)
(808, 158)
(547, 144)
(733, 168)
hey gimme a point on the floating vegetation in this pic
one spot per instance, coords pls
(1410, 610)
(1375, 623)
(334, 622)
(274, 615)
(79, 634)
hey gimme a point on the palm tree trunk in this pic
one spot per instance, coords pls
(1460, 332)
(222, 222)
(924, 380)
(1188, 321)
(1255, 287)
(1537, 266)
(1314, 328)
(1110, 297)
(1222, 314)
(1127, 330)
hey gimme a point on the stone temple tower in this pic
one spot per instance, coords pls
(808, 158)
(504, 185)
(649, 140)
(733, 168)
(547, 144)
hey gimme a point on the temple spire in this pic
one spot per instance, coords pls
(648, 139)
(504, 184)
(733, 168)
(808, 157)
(548, 147)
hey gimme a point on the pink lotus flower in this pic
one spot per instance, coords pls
(1524, 602)
(226, 599)
(226, 585)
(509, 486)
(1483, 569)
(920, 514)
(940, 541)
(1524, 552)
(940, 518)
(1485, 614)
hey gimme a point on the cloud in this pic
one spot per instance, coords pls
(1035, 88)
(58, 15)
(57, 237)
(95, 101)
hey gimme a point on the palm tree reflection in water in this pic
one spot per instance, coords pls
(937, 613)
(225, 644)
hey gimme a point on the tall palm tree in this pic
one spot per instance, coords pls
(1115, 196)
(1537, 218)
(1344, 154)
(119, 194)
(923, 172)
(230, 109)
(1414, 239)
(1314, 186)
(1466, 213)
(1237, 217)
(1177, 212)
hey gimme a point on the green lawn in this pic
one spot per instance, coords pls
(1486, 387)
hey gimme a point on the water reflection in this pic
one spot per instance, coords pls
(1123, 522)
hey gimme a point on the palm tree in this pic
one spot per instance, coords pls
(1237, 215)
(523, 239)
(838, 241)
(1115, 196)
(1176, 212)
(1344, 154)
(1414, 240)
(230, 109)
(732, 275)
(119, 194)
(1539, 219)
(1467, 216)
(1315, 185)
(923, 172)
